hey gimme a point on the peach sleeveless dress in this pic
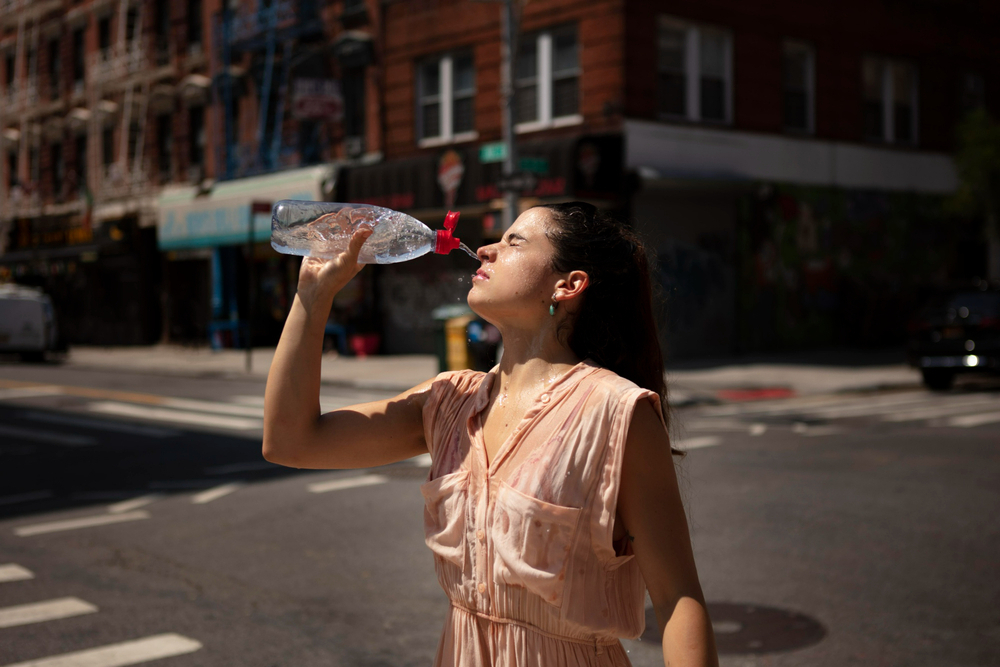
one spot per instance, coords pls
(523, 546)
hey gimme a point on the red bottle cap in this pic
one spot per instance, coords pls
(445, 241)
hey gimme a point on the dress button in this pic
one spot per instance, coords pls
(482, 588)
(545, 398)
(481, 534)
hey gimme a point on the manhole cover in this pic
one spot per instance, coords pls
(749, 628)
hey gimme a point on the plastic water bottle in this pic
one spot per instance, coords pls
(324, 229)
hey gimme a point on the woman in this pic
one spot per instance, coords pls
(552, 504)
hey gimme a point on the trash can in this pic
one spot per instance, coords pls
(450, 343)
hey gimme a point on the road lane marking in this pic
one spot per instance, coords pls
(213, 407)
(968, 421)
(944, 408)
(805, 429)
(240, 467)
(29, 392)
(215, 493)
(698, 443)
(101, 424)
(758, 429)
(349, 483)
(121, 654)
(47, 437)
(82, 522)
(176, 416)
(14, 572)
(134, 503)
(25, 497)
(37, 612)
(819, 405)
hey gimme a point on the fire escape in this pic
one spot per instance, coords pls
(261, 43)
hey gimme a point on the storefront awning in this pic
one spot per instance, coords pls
(188, 219)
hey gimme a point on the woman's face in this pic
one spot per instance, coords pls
(516, 280)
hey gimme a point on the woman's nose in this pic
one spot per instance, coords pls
(487, 252)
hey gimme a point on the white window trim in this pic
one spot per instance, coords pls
(692, 71)
(888, 112)
(445, 100)
(807, 48)
(544, 79)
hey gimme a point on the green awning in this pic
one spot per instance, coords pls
(187, 219)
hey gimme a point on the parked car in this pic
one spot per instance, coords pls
(956, 332)
(27, 323)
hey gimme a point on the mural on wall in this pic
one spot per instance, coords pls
(824, 266)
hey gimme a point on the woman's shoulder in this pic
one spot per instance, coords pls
(609, 381)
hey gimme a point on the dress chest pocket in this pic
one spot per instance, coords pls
(533, 540)
(445, 503)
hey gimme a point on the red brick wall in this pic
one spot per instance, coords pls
(420, 28)
(942, 39)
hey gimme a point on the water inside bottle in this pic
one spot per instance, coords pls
(468, 251)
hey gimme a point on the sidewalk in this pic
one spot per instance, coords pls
(722, 380)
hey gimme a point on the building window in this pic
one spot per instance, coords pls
(108, 145)
(547, 79)
(79, 60)
(890, 101)
(12, 169)
(58, 168)
(104, 35)
(799, 87)
(55, 69)
(973, 94)
(165, 147)
(446, 90)
(194, 26)
(81, 161)
(196, 139)
(694, 66)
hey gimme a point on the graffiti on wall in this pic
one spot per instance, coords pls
(825, 266)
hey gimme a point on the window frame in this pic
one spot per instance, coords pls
(885, 66)
(801, 46)
(445, 99)
(693, 72)
(545, 80)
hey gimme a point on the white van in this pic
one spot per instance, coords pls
(27, 322)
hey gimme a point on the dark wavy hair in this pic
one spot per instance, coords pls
(614, 325)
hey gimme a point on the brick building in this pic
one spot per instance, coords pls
(787, 164)
(137, 133)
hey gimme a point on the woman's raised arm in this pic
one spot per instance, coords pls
(295, 432)
(649, 504)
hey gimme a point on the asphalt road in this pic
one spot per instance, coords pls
(137, 517)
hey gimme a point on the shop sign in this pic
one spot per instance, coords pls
(48, 234)
(495, 152)
(317, 99)
(450, 172)
(536, 165)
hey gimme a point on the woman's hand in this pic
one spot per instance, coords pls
(321, 279)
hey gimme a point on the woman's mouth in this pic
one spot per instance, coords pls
(481, 275)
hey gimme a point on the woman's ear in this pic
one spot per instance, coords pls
(572, 286)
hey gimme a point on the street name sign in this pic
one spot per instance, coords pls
(495, 152)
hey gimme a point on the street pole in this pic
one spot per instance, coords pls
(508, 51)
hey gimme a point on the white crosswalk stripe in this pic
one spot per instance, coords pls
(37, 612)
(173, 416)
(697, 443)
(121, 654)
(14, 572)
(898, 407)
(348, 483)
(134, 503)
(82, 522)
(215, 493)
